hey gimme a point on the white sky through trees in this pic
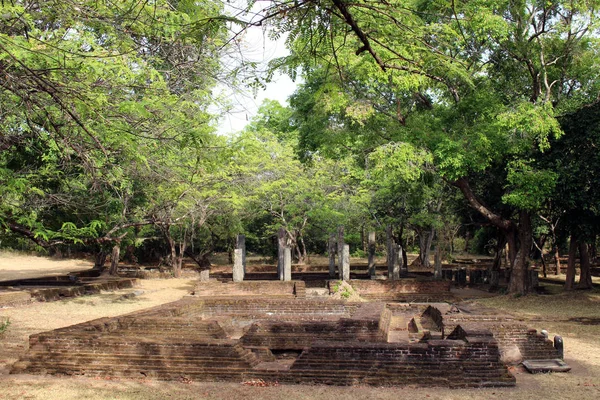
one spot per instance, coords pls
(255, 46)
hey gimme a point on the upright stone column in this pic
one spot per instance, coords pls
(396, 263)
(340, 248)
(345, 270)
(391, 252)
(205, 275)
(240, 243)
(437, 266)
(287, 264)
(331, 249)
(238, 267)
(402, 265)
(372, 271)
(280, 252)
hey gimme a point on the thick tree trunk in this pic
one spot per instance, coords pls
(304, 259)
(519, 238)
(178, 265)
(100, 260)
(495, 268)
(519, 278)
(173, 254)
(425, 240)
(593, 251)
(570, 279)
(114, 259)
(540, 251)
(556, 258)
(467, 240)
(585, 276)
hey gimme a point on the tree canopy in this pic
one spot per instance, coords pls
(108, 125)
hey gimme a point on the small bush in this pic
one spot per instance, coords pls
(4, 325)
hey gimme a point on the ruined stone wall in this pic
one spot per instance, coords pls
(508, 332)
(251, 288)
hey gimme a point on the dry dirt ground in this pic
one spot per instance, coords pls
(576, 316)
(18, 266)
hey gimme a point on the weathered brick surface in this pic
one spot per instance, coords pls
(337, 342)
(406, 290)
(251, 288)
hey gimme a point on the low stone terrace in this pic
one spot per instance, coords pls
(290, 339)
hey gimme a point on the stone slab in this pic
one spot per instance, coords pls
(551, 365)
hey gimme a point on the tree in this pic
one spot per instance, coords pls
(478, 84)
(90, 92)
(295, 196)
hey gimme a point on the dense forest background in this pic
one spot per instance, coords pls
(472, 126)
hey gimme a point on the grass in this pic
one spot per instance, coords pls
(4, 324)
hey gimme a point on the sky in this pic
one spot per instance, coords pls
(258, 47)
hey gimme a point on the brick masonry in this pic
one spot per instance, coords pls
(287, 339)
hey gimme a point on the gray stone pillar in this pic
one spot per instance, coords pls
(281, 242)
(238, 267)
(461, 277)
(372, 271)
(402, 266)
(559, 346)
(340, 248)
(240, 243)
(331, 249)
(534, 278)
(345, 270)
(437, 266)
(205, 275)
(287, 264)
(390, 251)
(396, 262)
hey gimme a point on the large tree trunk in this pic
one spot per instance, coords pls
(114, 259)
(304, 253)
(519, 277)
(556, 258)
(402, 244)
(425, 240)
(178, 264)
(540, 252)
(570, 279)
(519, 238)
(495, 269)
(100, 260)
(585, 276)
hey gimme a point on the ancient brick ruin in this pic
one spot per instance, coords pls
(269, 330)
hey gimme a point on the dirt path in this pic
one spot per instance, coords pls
(19, 266)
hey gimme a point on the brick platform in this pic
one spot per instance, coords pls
(289, 340)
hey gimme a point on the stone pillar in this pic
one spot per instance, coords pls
(345, 270)
(281, 242)
(396, 263)
(390, 251)
(331, 249)
(401, 266)
(205, 275)
(340, 248)
(534, 278)
(461, 277)
(437, 266)
(287, 264)
(238, 267)
(240, 243)
(371, 248)
(559, 346)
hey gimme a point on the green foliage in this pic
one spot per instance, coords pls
(104, 118)
(4, 324)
